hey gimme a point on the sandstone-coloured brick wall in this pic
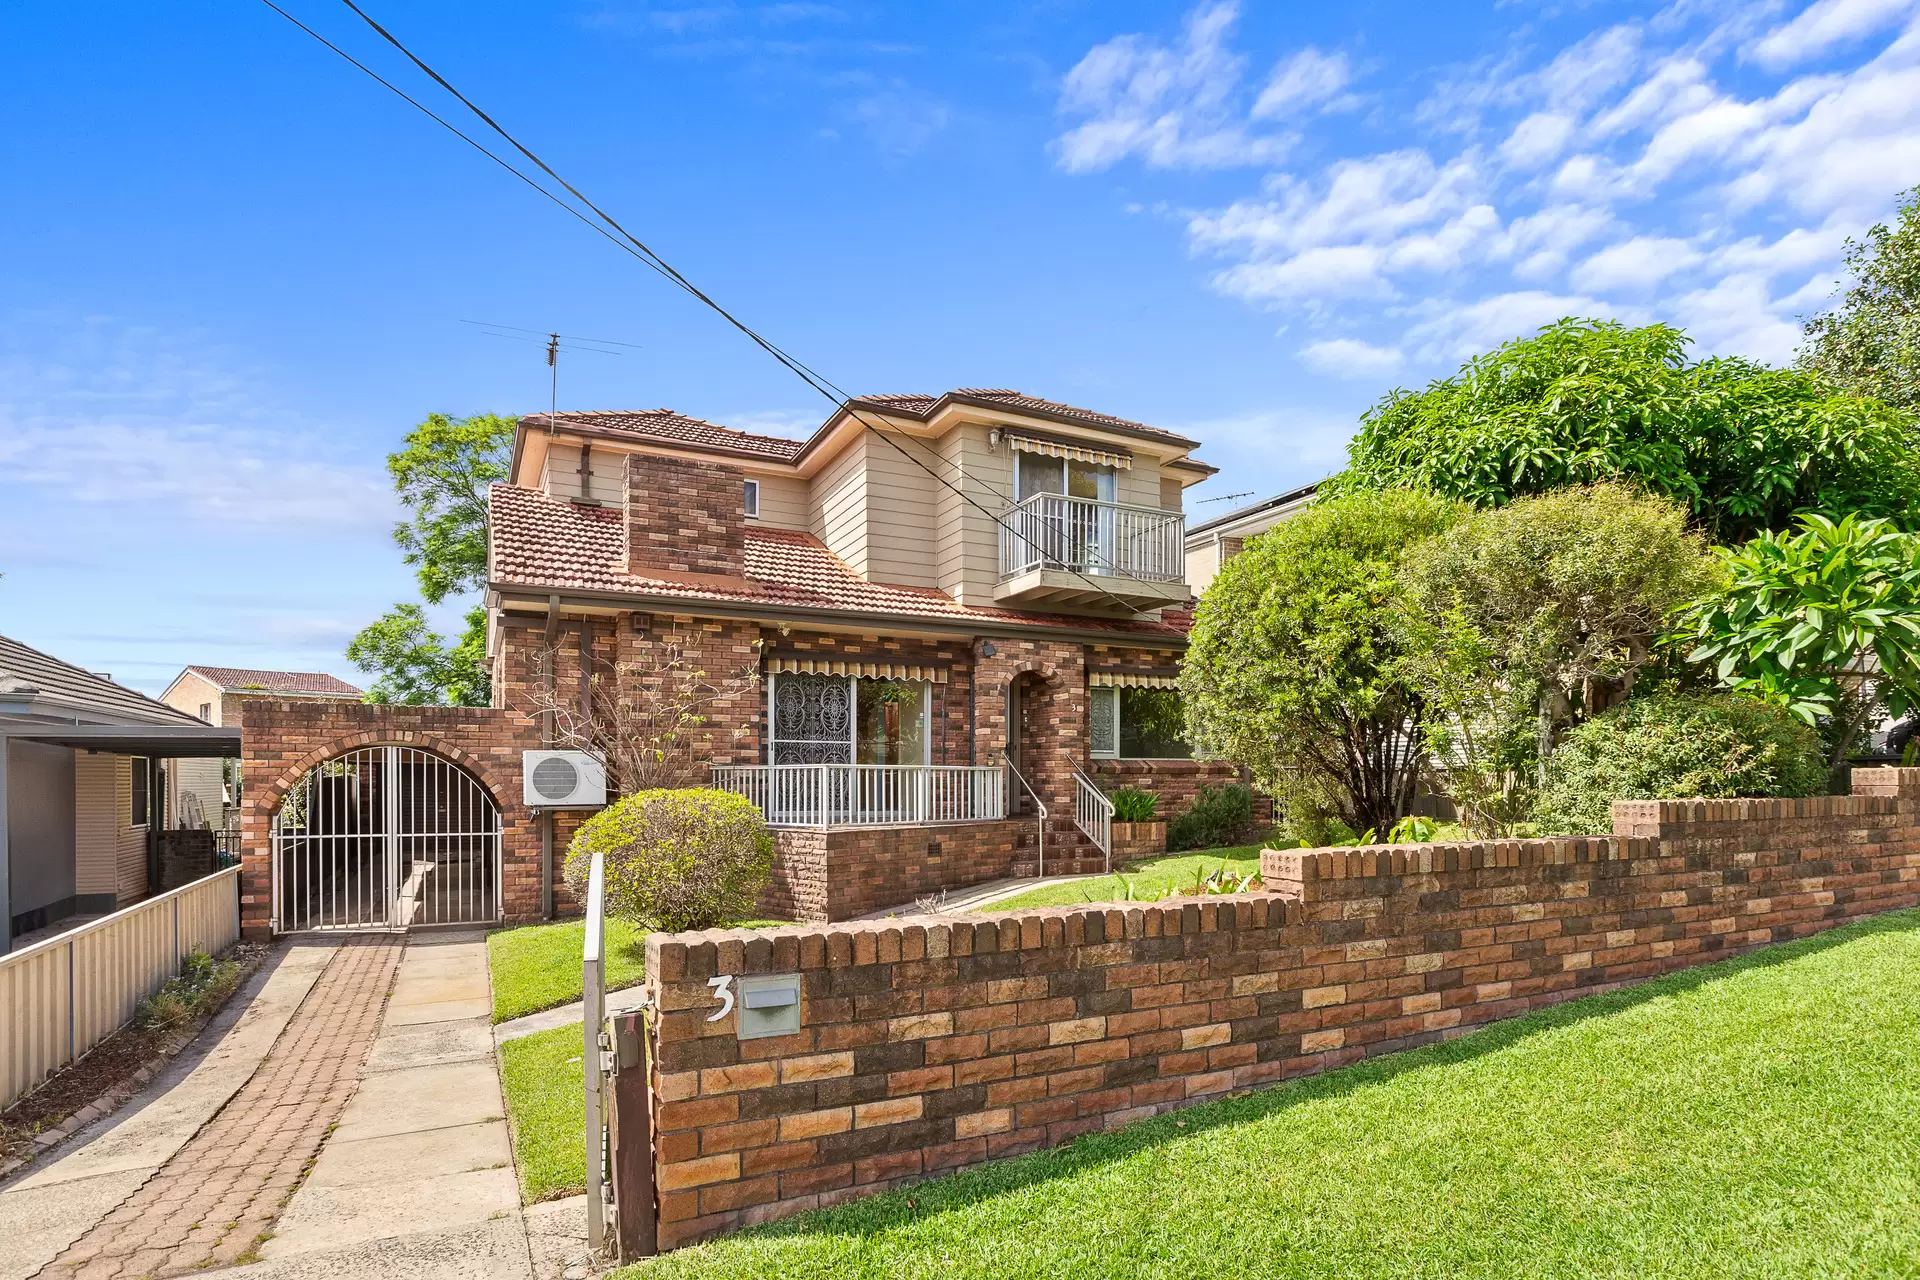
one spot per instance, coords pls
(823, 875)
(933, 1043)
(282, 739)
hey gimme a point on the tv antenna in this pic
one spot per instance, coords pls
(554, 343)
(1225, 497)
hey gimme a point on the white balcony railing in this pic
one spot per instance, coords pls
(1053, 531)
(868, 795)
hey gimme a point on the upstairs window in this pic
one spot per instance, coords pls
(1037, 473)
(1137, 724)
(206, 712)
(753, 499)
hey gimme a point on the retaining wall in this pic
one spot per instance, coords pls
(933, 1043)
(837, 874)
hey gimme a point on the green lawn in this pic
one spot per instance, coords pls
(1151, 878)
(545, 1086)
(538, 966)
(1758, 1118)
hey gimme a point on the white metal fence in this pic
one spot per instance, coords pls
(1053, 531)
(1093, 814)
(386, 837)
(868, 795)
(62, 996)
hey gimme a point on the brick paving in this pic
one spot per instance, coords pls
(219, 1196)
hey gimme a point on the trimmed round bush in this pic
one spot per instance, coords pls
(1677, 747)
(675, 860)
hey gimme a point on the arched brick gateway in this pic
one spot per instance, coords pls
(283, 741)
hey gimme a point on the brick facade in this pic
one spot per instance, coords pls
(934, 1043)
(685, 516)
(284, 739)
(823, 875)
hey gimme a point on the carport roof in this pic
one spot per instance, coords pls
(163, 740)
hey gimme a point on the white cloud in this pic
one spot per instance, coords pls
(1537, 139)
(1454, 332)
(1821, 26)
(1351, 358)
(1174, 108)
(1634, 265)
(1308, 79)
(1737, 315)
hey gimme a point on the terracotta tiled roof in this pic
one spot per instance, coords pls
(247, 680)
(668, 427)
(921, 406)
(546, 543)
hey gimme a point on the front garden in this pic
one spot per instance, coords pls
(1756, 1118)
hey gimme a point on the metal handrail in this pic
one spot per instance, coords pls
(1085, 535)
(1038, 803)
(1093, 812)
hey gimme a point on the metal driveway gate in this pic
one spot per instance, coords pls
(385, 837)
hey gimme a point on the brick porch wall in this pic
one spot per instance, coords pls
(934, 1043)
(838, 874)
(282, 740)
(1178, 782)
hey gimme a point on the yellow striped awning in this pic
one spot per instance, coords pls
(1062, 449)
(1131, 680)
(856, 667)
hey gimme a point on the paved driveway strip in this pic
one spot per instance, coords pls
(213, 1201)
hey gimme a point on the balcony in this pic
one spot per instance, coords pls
(1058, 550)
(868, 795)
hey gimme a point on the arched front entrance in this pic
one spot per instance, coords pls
(382, 838)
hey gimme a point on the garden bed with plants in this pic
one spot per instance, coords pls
(1753, 1118)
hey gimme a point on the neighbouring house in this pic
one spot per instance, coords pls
(84, 768)
(936, 633)
(1212, 544)
(204, 792)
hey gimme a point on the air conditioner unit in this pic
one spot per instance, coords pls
(562, 780)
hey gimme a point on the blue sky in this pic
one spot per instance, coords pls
(233, 271)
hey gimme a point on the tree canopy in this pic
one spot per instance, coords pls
(1869, 344)
(1745, 447)
(1294, 666)
(441, 473)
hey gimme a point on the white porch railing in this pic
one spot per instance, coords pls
(1053, 531)
(868, 795)
(62, 996)
(1093, 814)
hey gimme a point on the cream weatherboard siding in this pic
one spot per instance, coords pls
(96, 823)
(204, 779)
(969, 538)
(838, 511)
(899, 504)
(560, 477)
(783, 502)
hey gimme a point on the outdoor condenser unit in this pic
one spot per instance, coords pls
(562, 780)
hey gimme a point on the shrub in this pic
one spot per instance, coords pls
(202, 986)
(675, 860)
(1130, 804)
(1220, 816)
(1677, 746)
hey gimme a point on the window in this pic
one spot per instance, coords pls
(822, 719)
(206, 712)
(1036, 473)
(140, 811)
(1137, 724)
(753, 499)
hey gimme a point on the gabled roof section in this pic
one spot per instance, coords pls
(664, 426)
(546, 544)
(40, 685)
(310, 684)
(925, 406)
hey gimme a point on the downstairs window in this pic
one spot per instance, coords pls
(1137, 724)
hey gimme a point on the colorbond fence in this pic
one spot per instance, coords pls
(61, 997)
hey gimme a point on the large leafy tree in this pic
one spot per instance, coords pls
(1521, 621)
(1294, 665)
(441, 474)
(1743, 446)
(1824, 621)
(1869, 343)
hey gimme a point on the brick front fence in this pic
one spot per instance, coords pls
(931, 1044)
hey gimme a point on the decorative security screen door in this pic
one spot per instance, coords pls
(385, 837)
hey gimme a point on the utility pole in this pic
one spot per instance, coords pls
(553, 363)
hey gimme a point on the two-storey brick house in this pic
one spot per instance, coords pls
(962, 610)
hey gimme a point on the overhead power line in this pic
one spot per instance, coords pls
(634, 246)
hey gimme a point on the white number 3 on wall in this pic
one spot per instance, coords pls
(723, 992)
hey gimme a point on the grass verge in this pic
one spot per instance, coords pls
(537, 966)
(1755, 1118)
(545, 1084)
(1151, 878)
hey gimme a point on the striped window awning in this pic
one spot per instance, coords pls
(1062, 449)
(1131, 680)
(855, 667)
